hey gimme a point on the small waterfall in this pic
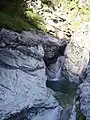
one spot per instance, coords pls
(64, 91)
(59, 66)
(58, 74)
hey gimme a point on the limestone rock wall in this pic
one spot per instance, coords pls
(23, 91)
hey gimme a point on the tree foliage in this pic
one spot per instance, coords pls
(15, 15)
(13, 6)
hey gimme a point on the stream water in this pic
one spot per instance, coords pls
(64, 92)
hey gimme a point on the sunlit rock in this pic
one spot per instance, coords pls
(23, 91)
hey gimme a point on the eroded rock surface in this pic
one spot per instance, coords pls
(77, 55)
(75, 70)
(84, 93)
(23, 91)
(25, 60)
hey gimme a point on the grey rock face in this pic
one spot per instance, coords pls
(75, 60)
(77, 56)
(23, 92)
(83, 70)
(76, 70)
(84, 94)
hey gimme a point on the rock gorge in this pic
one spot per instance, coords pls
(45, 76)
(30, 61)
(23, 91)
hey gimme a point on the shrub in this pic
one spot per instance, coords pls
(17, 23)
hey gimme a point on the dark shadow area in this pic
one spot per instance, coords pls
(62, 86)
(59, 52)
(13, 17)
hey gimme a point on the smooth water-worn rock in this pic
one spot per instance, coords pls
(23, 91)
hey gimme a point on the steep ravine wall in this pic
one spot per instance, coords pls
(23, 91)
(74, 76)
(30, 61)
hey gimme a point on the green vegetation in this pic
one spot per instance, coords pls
(75, 25)
(15, 15)
(14, 23)
(35, 19)
(18, 23)
(85, 13)
(73, 8)
(13, 7)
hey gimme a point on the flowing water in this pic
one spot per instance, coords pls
(64, 93)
